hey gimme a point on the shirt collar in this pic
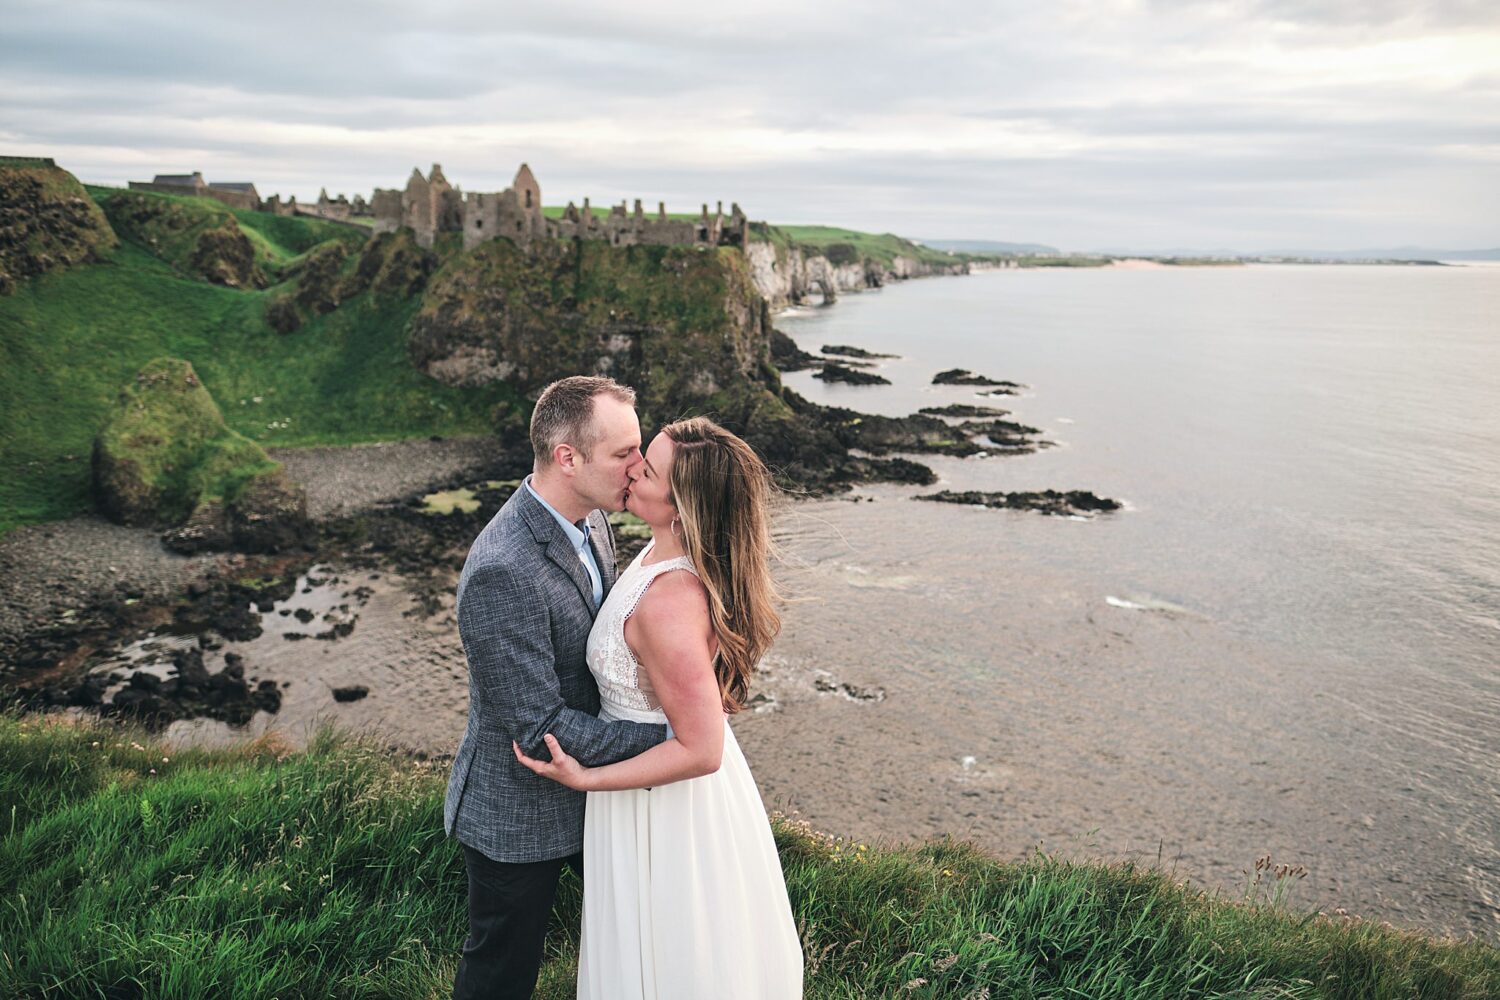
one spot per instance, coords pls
(578, 537)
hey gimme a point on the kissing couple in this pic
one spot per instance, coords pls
(598, 735)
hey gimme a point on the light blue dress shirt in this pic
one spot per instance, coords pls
(579, 539)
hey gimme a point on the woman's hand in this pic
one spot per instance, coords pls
(562, 768)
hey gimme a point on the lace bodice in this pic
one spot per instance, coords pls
(623, 692)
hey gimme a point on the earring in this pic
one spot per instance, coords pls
(674, 524)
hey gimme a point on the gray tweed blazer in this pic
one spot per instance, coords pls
(525, 608)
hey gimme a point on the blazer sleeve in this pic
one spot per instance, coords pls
(506, 629)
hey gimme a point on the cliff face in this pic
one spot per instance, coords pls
(787, 276)
(681, 324)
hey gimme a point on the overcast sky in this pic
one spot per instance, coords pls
(1251, 125)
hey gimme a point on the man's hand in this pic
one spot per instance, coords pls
(562, 769)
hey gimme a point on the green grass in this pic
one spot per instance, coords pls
(128, 868)
(69, 341)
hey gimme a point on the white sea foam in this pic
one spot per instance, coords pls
(1139, 603)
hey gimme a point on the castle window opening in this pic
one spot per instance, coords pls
(478, 223)
(528, 197)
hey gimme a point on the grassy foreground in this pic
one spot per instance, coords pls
(130, 869)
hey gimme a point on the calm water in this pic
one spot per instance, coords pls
(1311, 460)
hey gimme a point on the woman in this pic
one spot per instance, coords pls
(684, 896)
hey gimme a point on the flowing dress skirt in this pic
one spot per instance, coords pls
(683, 893)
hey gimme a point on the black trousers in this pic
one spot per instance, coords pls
(509, 905)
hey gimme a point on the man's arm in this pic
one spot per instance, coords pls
(504, 623)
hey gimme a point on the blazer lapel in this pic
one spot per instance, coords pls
(549, 533)
(563, 554)
(599, 539)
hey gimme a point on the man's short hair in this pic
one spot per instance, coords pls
(564, 414)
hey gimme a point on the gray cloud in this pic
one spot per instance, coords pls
(1257, 123)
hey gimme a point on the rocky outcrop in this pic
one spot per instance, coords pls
(835, 372)
(47, 222)
(200, 240)
(166, 458)
(1057, 503)
(962, 376)
(786, 277)
(682, 325)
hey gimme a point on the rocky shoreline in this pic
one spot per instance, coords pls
(73, 589)
(81, 600)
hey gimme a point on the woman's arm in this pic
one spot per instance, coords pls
(673, 640)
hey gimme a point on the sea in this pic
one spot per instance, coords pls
(1286, 645)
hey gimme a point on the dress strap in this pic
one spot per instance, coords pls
(649, 573)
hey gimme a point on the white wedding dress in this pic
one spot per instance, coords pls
(683, 893)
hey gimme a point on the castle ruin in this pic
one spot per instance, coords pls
(430, 205)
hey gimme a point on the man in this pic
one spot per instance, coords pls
(530, 589)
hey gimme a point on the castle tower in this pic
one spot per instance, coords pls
(529, 200)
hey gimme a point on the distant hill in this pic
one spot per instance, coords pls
(1379, 253)
(988, 246)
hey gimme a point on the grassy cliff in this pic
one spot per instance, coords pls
(131, 868)
(70, 339)
(681, 324)
(844, 246)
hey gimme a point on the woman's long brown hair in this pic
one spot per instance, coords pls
(722, 492)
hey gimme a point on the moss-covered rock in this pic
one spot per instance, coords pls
(47, 221)
(165, 457)
(391, 264)
(317, 287)
(199, 237)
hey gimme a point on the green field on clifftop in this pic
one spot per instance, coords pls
(842, 246)
(70, 340)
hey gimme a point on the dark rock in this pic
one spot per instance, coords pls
(787, 356)
(90, 692)
(964, 410)
(1053, 502)
(205, 530)
(833, 372)
(962, 376)
(269, 515)
(854, 352)
(352, 693)
(880, 435)
(1004, 433)
(145, 681)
